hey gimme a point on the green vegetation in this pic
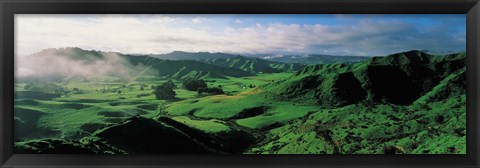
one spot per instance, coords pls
(164, 91)
(208, 126)
(405, 103)
(194, 84)
(254, 65)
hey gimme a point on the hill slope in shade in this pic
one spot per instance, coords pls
(409, 102)
(139, 135)
(399, 79)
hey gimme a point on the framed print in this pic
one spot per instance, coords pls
(239, 83)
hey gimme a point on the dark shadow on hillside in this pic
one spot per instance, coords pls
(233, 141)
(391, 84)
(251, 112)
(139, 135)
(25, 125)
(348, 90)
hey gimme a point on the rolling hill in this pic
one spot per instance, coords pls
(406, 103)
(410, 102)
(254, 65)
(248, 64)
(182, 69)
(398, 79)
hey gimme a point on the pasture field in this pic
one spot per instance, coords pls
(95, 105)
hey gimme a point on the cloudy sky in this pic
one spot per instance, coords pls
(365, 35)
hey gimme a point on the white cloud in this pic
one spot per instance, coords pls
(165, 33)
(198, 20)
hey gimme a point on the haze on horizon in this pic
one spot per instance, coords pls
(362, 35)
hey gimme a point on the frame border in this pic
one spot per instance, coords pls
(8, 8)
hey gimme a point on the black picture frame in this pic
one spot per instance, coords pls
(9, 8)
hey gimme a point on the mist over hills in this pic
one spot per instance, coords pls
(400, 78)
(66, 63)
(77, 63)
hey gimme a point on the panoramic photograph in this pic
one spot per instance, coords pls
(240, 84)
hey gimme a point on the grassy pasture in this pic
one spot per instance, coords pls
(97, 104)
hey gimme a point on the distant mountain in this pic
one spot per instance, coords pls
(434, 52)
(254, 65)
(182, 69)
(65, 62)
(180, 55)
(311, 59)
(401, 78)
(248, 64)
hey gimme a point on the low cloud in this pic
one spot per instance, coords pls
(68, 63)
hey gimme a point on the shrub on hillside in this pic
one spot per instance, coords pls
(164, 91)
(170, 84)
(194, 84)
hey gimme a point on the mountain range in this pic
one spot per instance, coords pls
(181, 65)
(248, 64)
(307, 59)
(311, 59)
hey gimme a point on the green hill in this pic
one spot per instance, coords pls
(399, 79)
(181, 69)
(248, 64)
(406, 103)
(254, 65)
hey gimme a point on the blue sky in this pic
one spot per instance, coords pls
(338, 34)
(335, 19)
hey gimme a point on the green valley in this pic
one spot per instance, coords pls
(405, 103)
